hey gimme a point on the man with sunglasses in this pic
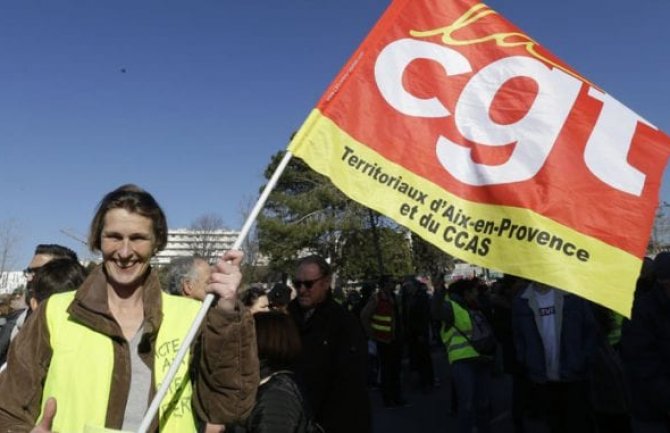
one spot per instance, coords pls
(332, 367)
(44, 253)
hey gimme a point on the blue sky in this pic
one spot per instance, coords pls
(212, 89)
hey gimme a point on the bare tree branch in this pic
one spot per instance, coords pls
(205, 241)
(9, 239)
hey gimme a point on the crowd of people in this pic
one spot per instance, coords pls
(574, 366)
(93, 346)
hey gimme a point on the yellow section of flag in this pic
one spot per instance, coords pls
(514, 240)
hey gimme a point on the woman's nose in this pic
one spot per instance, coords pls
(125, 250)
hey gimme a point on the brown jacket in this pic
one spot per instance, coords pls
(224, 367)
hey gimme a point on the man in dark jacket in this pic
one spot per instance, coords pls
(646, 349)
(332, 366)
(44, 253)
(416, 325)
(554, 336)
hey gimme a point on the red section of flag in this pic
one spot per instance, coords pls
(564, 189)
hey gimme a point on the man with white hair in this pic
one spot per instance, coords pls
(187, 276)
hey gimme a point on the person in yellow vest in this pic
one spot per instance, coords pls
(381, 321)
(471, 370)
(93, 359)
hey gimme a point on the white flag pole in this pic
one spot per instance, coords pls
(186, 344)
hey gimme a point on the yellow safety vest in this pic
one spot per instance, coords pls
(382, 320)
(80, 373)
(457, 345)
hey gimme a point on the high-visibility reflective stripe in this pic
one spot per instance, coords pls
(457, 346)
(381, 327)
(382, 318)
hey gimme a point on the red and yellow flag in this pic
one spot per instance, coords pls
(459, 126)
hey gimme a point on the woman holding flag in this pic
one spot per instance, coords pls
(93, 359)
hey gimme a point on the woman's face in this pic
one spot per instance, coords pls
(261, 304)
(127, 244)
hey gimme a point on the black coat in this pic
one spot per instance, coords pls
(279, 408)
(332, 369)
(646, 349)
(417, 316)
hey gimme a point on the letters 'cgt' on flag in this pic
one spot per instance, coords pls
(457, 125)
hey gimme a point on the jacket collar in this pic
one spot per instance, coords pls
(304, 315)
(90, 305)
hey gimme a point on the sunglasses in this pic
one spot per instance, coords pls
(307, 284)
(29, 271)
